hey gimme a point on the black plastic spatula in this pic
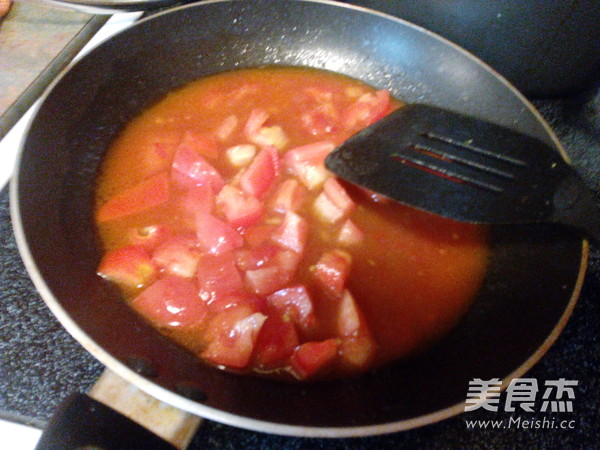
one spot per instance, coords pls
(466, 169)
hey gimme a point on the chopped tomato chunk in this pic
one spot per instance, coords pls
(241, 298)
(129, 266)
(292, 233)
(197, 199)
(350, 320)
(253, 258)
(313, 357)
(368, 109)
(334, 203)
(332, 271)
(260, 176)
(240, 209)
(276, 342)
(289, 196)
(358, 351)
(178, 255)
(192, 169)
(216, 236)
(226, 128)
(218, 277)
(147, 194)
(149, 237)
(265, 280)
(320, 120)
(295, 304)
(241, 155)
(307, 162)
(257, 235)
(350, 234)
(171, 301)
(202, 144)
(256, 120)
(231, 336)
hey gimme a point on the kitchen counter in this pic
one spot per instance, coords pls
(40, 364)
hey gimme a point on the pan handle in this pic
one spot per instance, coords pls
(114, 415)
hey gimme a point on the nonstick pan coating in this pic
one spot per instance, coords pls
(534, 277)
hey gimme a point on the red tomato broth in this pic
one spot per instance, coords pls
(411, 274)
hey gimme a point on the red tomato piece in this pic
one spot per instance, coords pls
(350, 320)
(368, 109)
(231, 336)
(253, 258)
(149, 237)
(171, 301)
(332, 271)
(276, 342)
(256, 120)
(235, 299)
(260, 176)
(350, 234)
(266, 280)
(292, 233)
(215, 236)
(157, 154)
(197, 199)
(192, 169)
(257, 235)
(218, 277)
(178, 255)
(321, 120)
(307, 162)
(334, 203)
(358, 352)
(289, 196)
(313, 357)
(226, 128)
(296, 304)
(129, 266)
(147, 194)
(240, 208)
(200, 143)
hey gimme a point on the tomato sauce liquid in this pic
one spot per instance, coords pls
(413, 275)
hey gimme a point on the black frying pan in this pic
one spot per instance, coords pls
(534, 277)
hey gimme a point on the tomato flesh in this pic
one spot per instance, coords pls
(312, 357)
(171, 301)
(130, 266)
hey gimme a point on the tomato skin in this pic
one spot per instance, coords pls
(296, 304)
(130, 266)
(191, 169)
(215, 236)
(368, 109)
(261, 174)
(231, 336)
(292, 233)
(240, 209)
(202, 144)
(332, 271)
(171, 301)
(147, 194)
(276, 342)
(218, 277)
(178, 255)
(307, 162)
(312, 357)
(289, 196)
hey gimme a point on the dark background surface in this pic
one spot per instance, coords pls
(40, 364)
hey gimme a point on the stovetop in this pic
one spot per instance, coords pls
(40, 364)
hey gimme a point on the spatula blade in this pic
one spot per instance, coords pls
(453, 165)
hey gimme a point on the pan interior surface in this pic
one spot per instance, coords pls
(534, 274)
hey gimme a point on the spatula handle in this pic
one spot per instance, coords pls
(577, 205)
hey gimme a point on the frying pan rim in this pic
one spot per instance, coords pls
(218, 415)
